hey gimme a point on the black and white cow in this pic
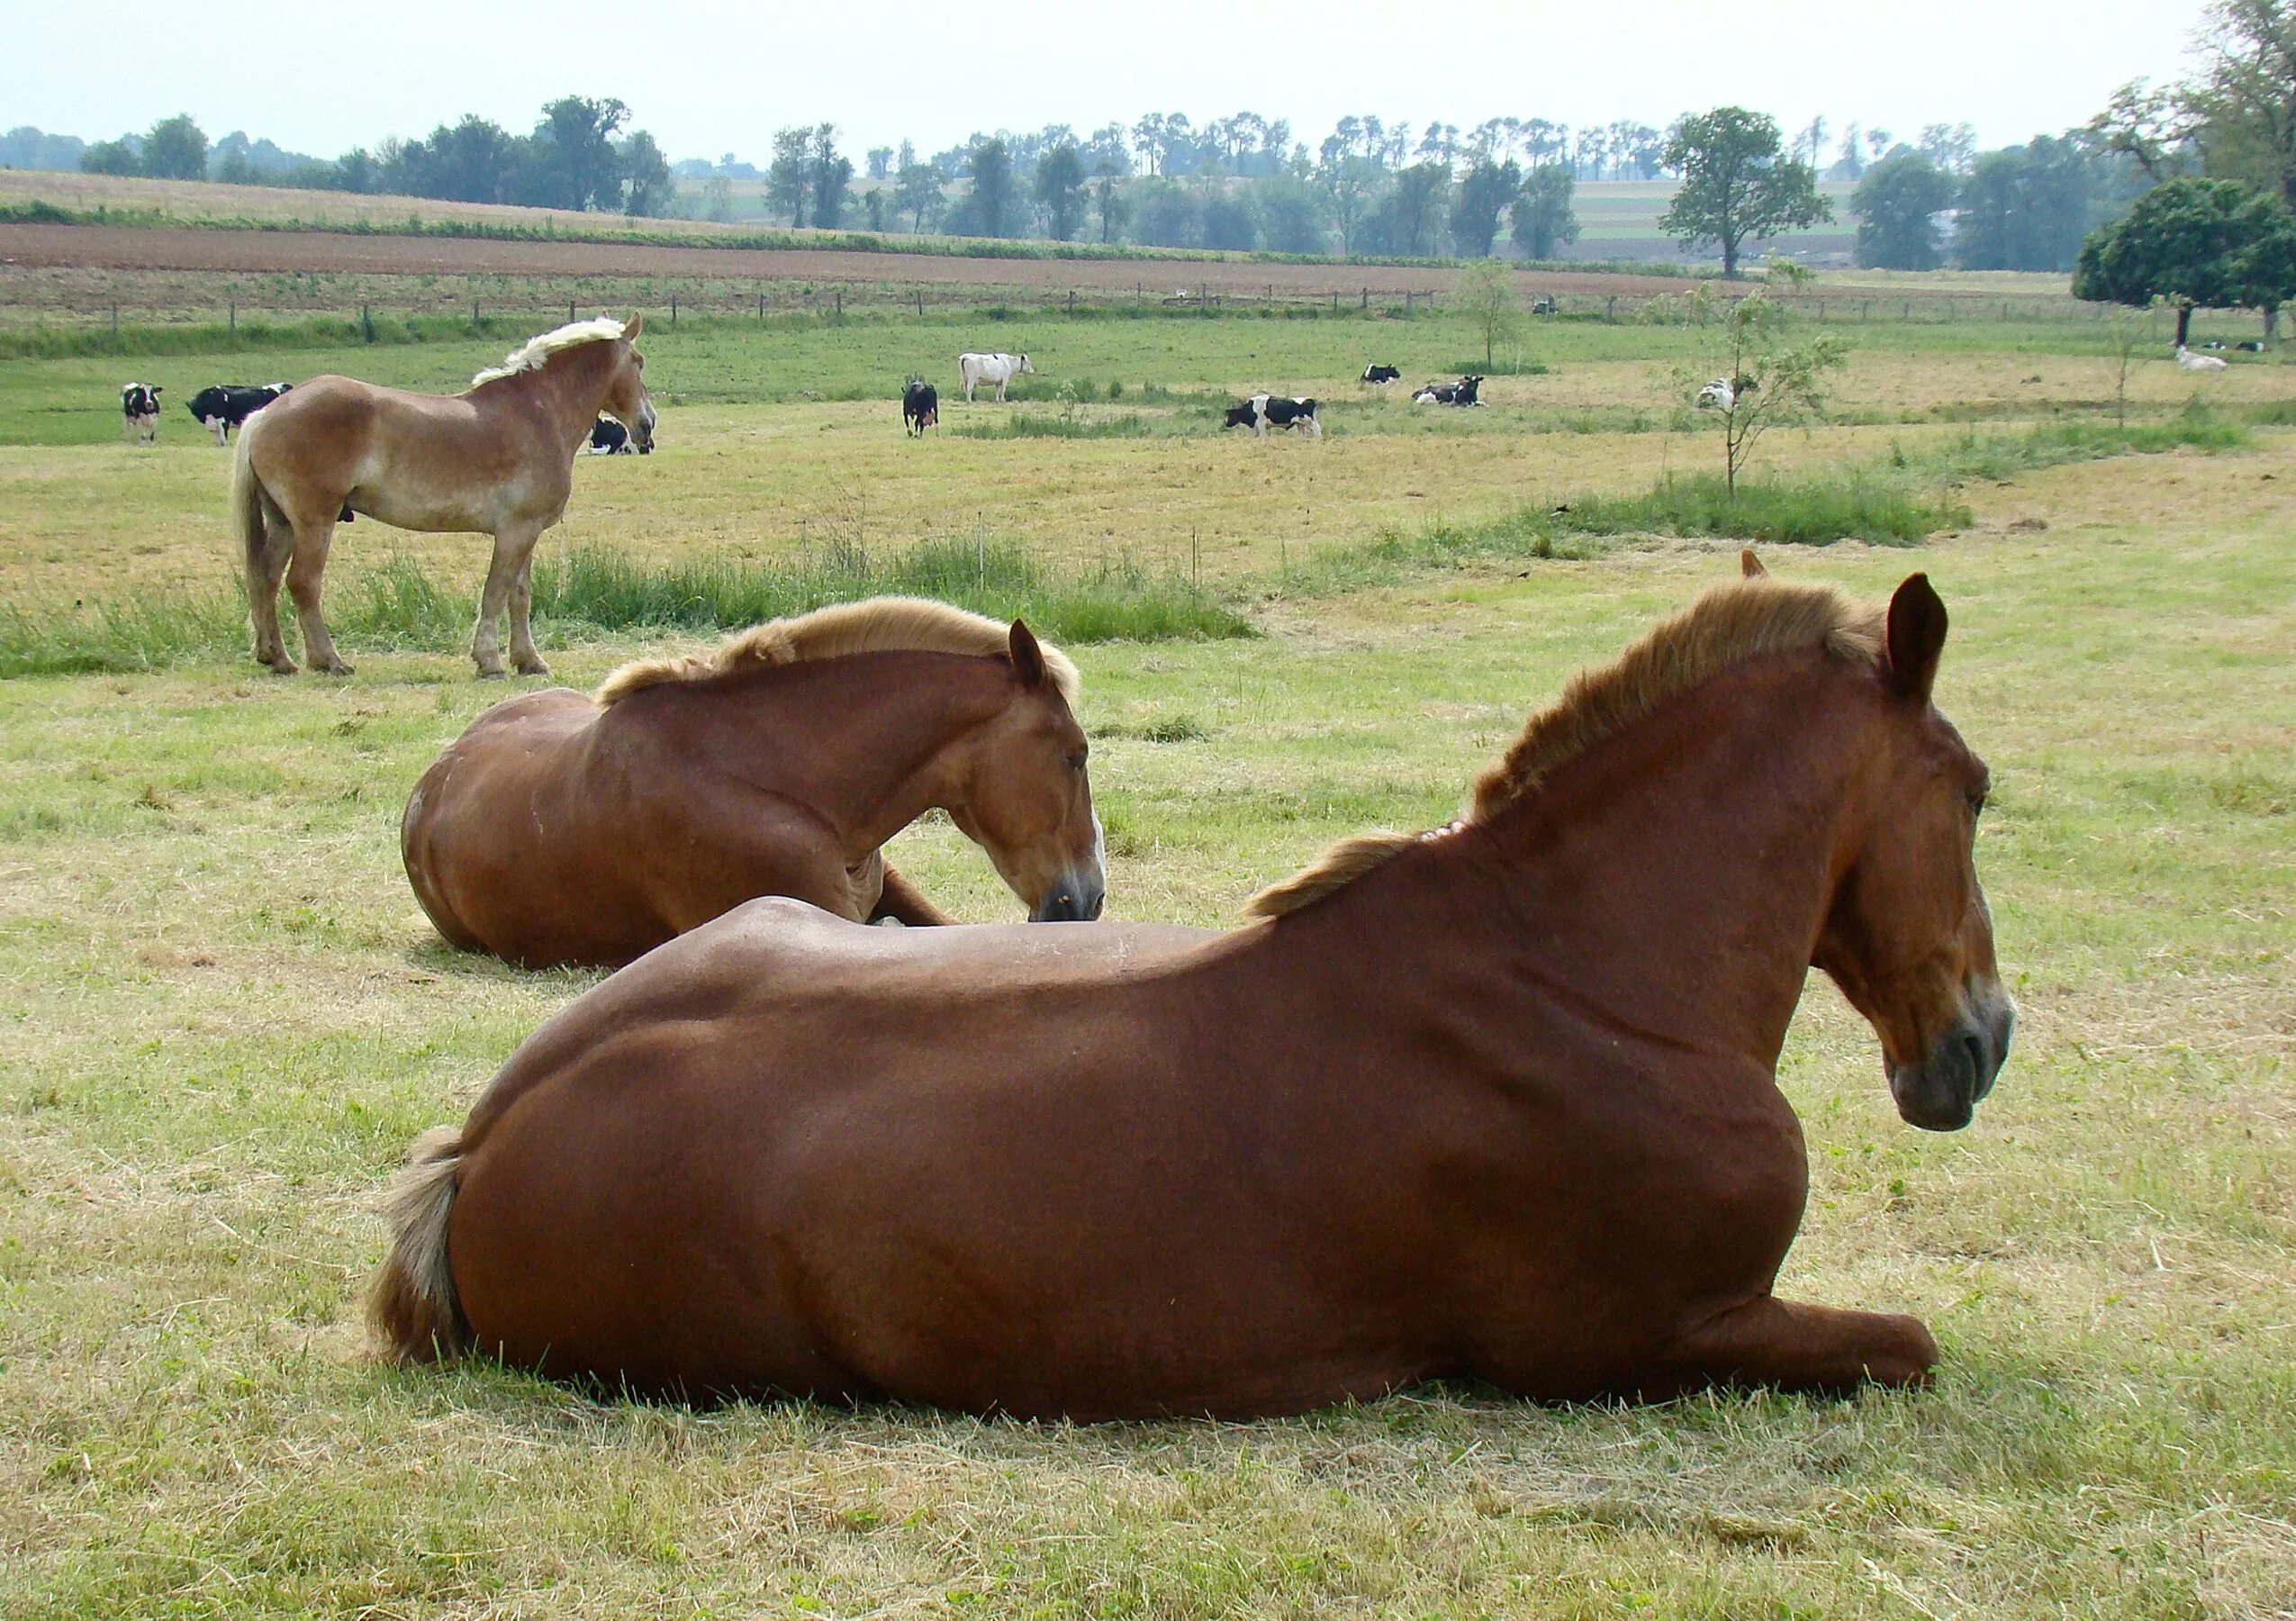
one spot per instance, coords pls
(608, 437)
(1262, 411)
(1461, 393)
(140, 405)
(1381, 374)
(221, 407)
(920, 407)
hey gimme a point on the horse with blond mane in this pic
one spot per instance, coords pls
(496, 460)
(563, 828)
(1497, 1102)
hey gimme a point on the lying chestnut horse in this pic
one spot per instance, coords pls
(1495, 1101)
(562, 829)
(497, 459)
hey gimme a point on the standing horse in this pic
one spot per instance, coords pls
(1496, 1101)
(561, 828)
(497, 459)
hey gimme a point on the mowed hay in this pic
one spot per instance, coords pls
(227, 1018)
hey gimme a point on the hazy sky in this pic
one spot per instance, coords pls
(708, 76)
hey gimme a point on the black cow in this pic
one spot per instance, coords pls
(2250, 346)
(609, 437)
(139, 406)
(1381, 374)
(1264, 411)
(222, 406)
(920, 407)
(1461, 393)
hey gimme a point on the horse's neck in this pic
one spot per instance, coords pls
(865, 742)
(1671, 883)
(569, 388)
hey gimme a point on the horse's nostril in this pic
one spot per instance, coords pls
(1975, 1045)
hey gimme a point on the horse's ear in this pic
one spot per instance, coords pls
(1916, 636)
(631, 327)
(1748, 565)
(1028, 657)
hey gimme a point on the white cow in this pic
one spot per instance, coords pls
(2188, 361)
(973, 370)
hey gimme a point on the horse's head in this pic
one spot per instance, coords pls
(1025, 797)
(1909, 938)
(627, 401)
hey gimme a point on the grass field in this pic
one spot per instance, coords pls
(223, 1015)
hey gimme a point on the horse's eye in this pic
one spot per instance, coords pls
(1976, 803)
(1076, 761)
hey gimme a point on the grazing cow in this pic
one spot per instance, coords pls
(920, 407)
(1381, 374)
(2187, 360)
(1264, 411)
(1461, 393)
(221, 407)
(140, 405)
(2214, 343)
(973, 370)
(2250, 346)
(609, 437)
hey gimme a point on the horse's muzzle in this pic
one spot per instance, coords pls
(1942, 1091)
(1076, 897)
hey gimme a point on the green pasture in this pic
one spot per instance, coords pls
(223, 1015)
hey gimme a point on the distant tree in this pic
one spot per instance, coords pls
(717, 200)
(1897, 205)
(1110, 162)
(1166, 214)
(472, 162)
(357, 171)
(1350, 184)
(2242, 109)
(789, 181)
(916, 191)
(830, 173)
(176, 149)
(647, 190)
(2025, 208)
(1953, 148)
(881, 163)
(1811, 142)
(1418, 201)
(1541, 217)
(873, 202)
(2192, 243)
(1736, 184)
(574, 148)
(1485, 294)
(1059, 185)
(112, 158)
(1291, 215)
(1231, 221)
(1851, 164)
(1487, 188)
(989, 204)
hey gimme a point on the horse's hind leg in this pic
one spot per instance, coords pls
(267, 566)
(305, 568)
(1797, 1347)
(523, 658)
(512, 549)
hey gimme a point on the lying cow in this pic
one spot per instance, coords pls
(221, 407)
(1381, 374)
(1265, 411)
(920, 407)
(973, 370)
(140, 405)
(1461, 393)
(609, 438)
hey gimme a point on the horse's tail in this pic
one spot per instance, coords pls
(247, 509)
(412, 1302)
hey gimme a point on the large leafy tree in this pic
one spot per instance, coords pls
(576, 165)
(2194, 242)
(1541, 219)
(830, 173)
(2242, 110)
(2026, 208)
(789, 181)
(649, 190)
(1417, 207)
(176, 149)
(916, 191)
(1059, 185)
(1736, 183)
(1487, 190)
(1897, 205)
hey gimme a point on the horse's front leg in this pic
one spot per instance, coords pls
(513, 546)
(904, 902)
(1793, 1346)
(305, 571)
(523, 658)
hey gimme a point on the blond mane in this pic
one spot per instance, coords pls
(1726, 626)
(535, 353)
(879, 625)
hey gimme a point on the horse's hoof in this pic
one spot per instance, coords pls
(336, 667)
(497, 674)
(534, 666)
(281, 666)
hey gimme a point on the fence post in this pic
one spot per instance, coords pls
(115, 320)
(1367, 298)
(1072, 303)
(365, 324)
(570, 314)
(674, 311)
(235, 318)
(474, 314)
(840, 295)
